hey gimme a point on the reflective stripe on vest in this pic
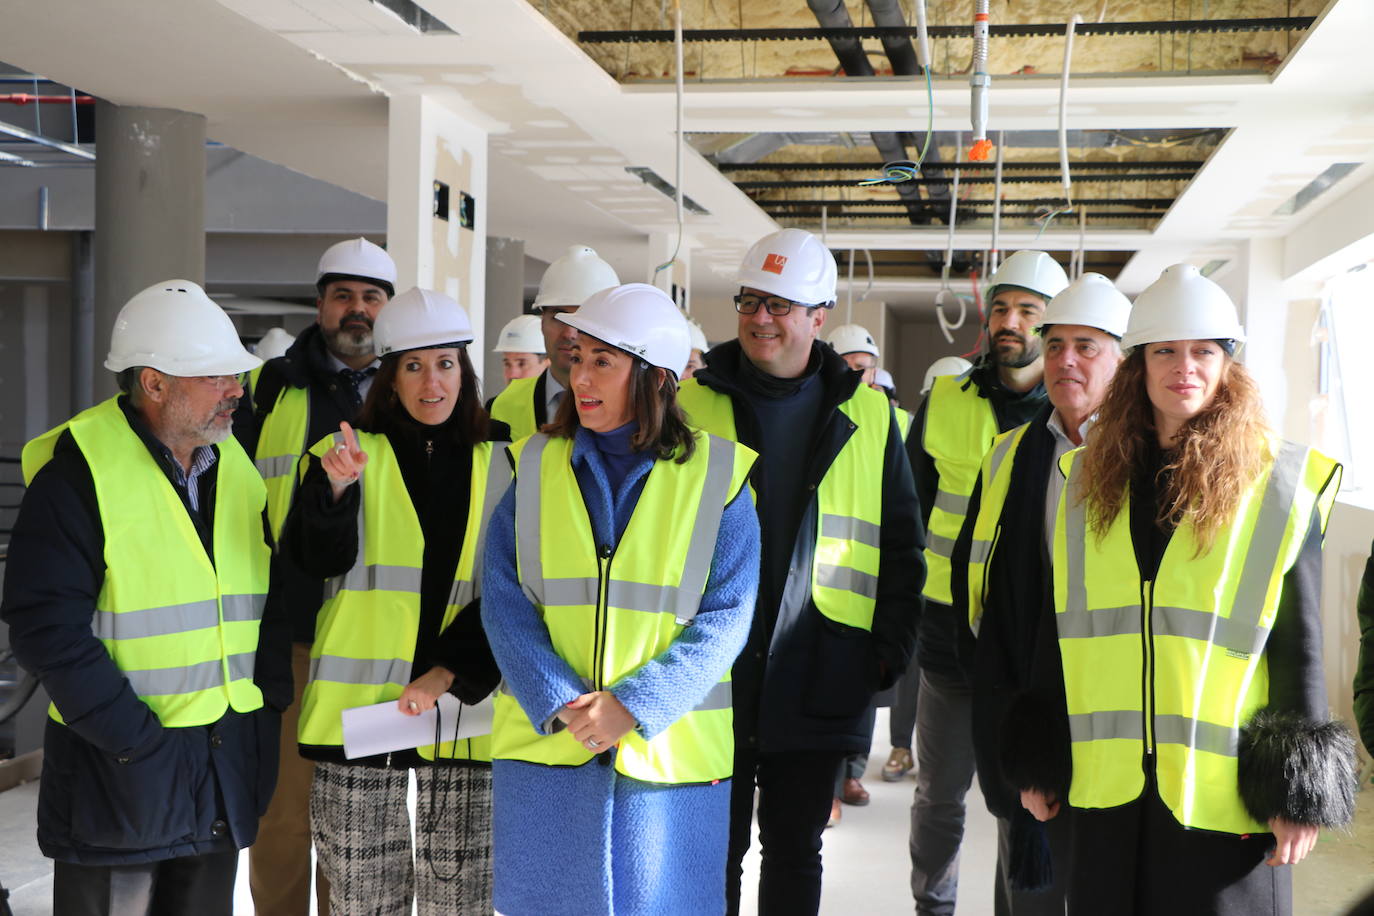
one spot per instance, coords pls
(610, 612)
(844, 570)
(996, 480)
(1198, 632)
(367, 628)
(515, 407)
(182, 629)
(281, 442)
(960, 427)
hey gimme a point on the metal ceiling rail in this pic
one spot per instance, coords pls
(1152, 202)
(816, 213)
(1006, 179)
(23, 134)
(1003, 30)
(1023, 165)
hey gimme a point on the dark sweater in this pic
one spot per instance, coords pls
(321, 537)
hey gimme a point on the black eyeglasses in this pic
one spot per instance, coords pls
(748, 304)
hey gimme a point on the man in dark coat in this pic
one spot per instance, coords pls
(135, 589)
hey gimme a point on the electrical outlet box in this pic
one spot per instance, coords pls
(441, 201)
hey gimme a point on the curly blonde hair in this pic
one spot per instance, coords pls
(1218, 454)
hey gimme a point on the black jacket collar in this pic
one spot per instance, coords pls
(722, 372)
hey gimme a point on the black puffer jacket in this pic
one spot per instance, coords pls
(804, 682)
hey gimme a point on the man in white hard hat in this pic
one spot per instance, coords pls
(841, 572)
(697, 359)
(296, 400)
(529, 403)
(1015, 500)
(857, 347)
(955, 426)
(521, 346)
(135, 589)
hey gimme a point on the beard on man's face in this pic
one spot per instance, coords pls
(353, 336)
(1013, 350)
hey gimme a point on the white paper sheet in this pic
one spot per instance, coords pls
(383, 728)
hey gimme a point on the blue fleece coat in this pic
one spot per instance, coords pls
(585, 840)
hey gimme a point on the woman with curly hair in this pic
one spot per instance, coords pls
(1187, 574)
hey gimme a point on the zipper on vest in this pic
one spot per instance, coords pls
(429, 449)
(1147, 600)
(604, 554)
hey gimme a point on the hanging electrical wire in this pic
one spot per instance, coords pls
(905, 169)
(946, 326)
(677, 53)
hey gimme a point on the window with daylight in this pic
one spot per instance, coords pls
(1342, 414)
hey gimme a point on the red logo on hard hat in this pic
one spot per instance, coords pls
(774, 263)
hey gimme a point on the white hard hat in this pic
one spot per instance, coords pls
(420, 318)
(697, 336)
(522, 334)
(945, 365)
(1030, 270)
(175, 328)
(1182, 305)
(639, 319)
(793, 264)
(1093, 301)
(883, 379)
(358, 258)
(274, 343)
(852, 338)
(574, 277)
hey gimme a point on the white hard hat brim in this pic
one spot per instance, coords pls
(611, 336)
(229, 365)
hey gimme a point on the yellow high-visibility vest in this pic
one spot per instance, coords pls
(366, 630)
(610, 612)
(1195, 635)
(996, 478)
(844, 569)
(959, 430)
(181, 628)
(281, 442)
(903, 422)
(515, 407)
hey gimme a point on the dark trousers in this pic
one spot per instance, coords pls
(1137, 860)
(1007, 901)
(944, 773)
(203, 885)
(795, 790)
(901, 721)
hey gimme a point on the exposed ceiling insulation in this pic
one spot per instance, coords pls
(1121, 179)
(1227, 52)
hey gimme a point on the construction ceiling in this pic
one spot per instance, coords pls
(1190, 134)
(1124, 179)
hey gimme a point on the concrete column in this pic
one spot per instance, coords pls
(149, 210)
(83, 347)
(505, 300)
(36, 419)
(437, 160)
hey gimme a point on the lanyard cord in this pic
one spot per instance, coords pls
(432, 822)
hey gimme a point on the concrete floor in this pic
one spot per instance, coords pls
(865, 857)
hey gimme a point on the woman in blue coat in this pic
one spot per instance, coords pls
(619, 581)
